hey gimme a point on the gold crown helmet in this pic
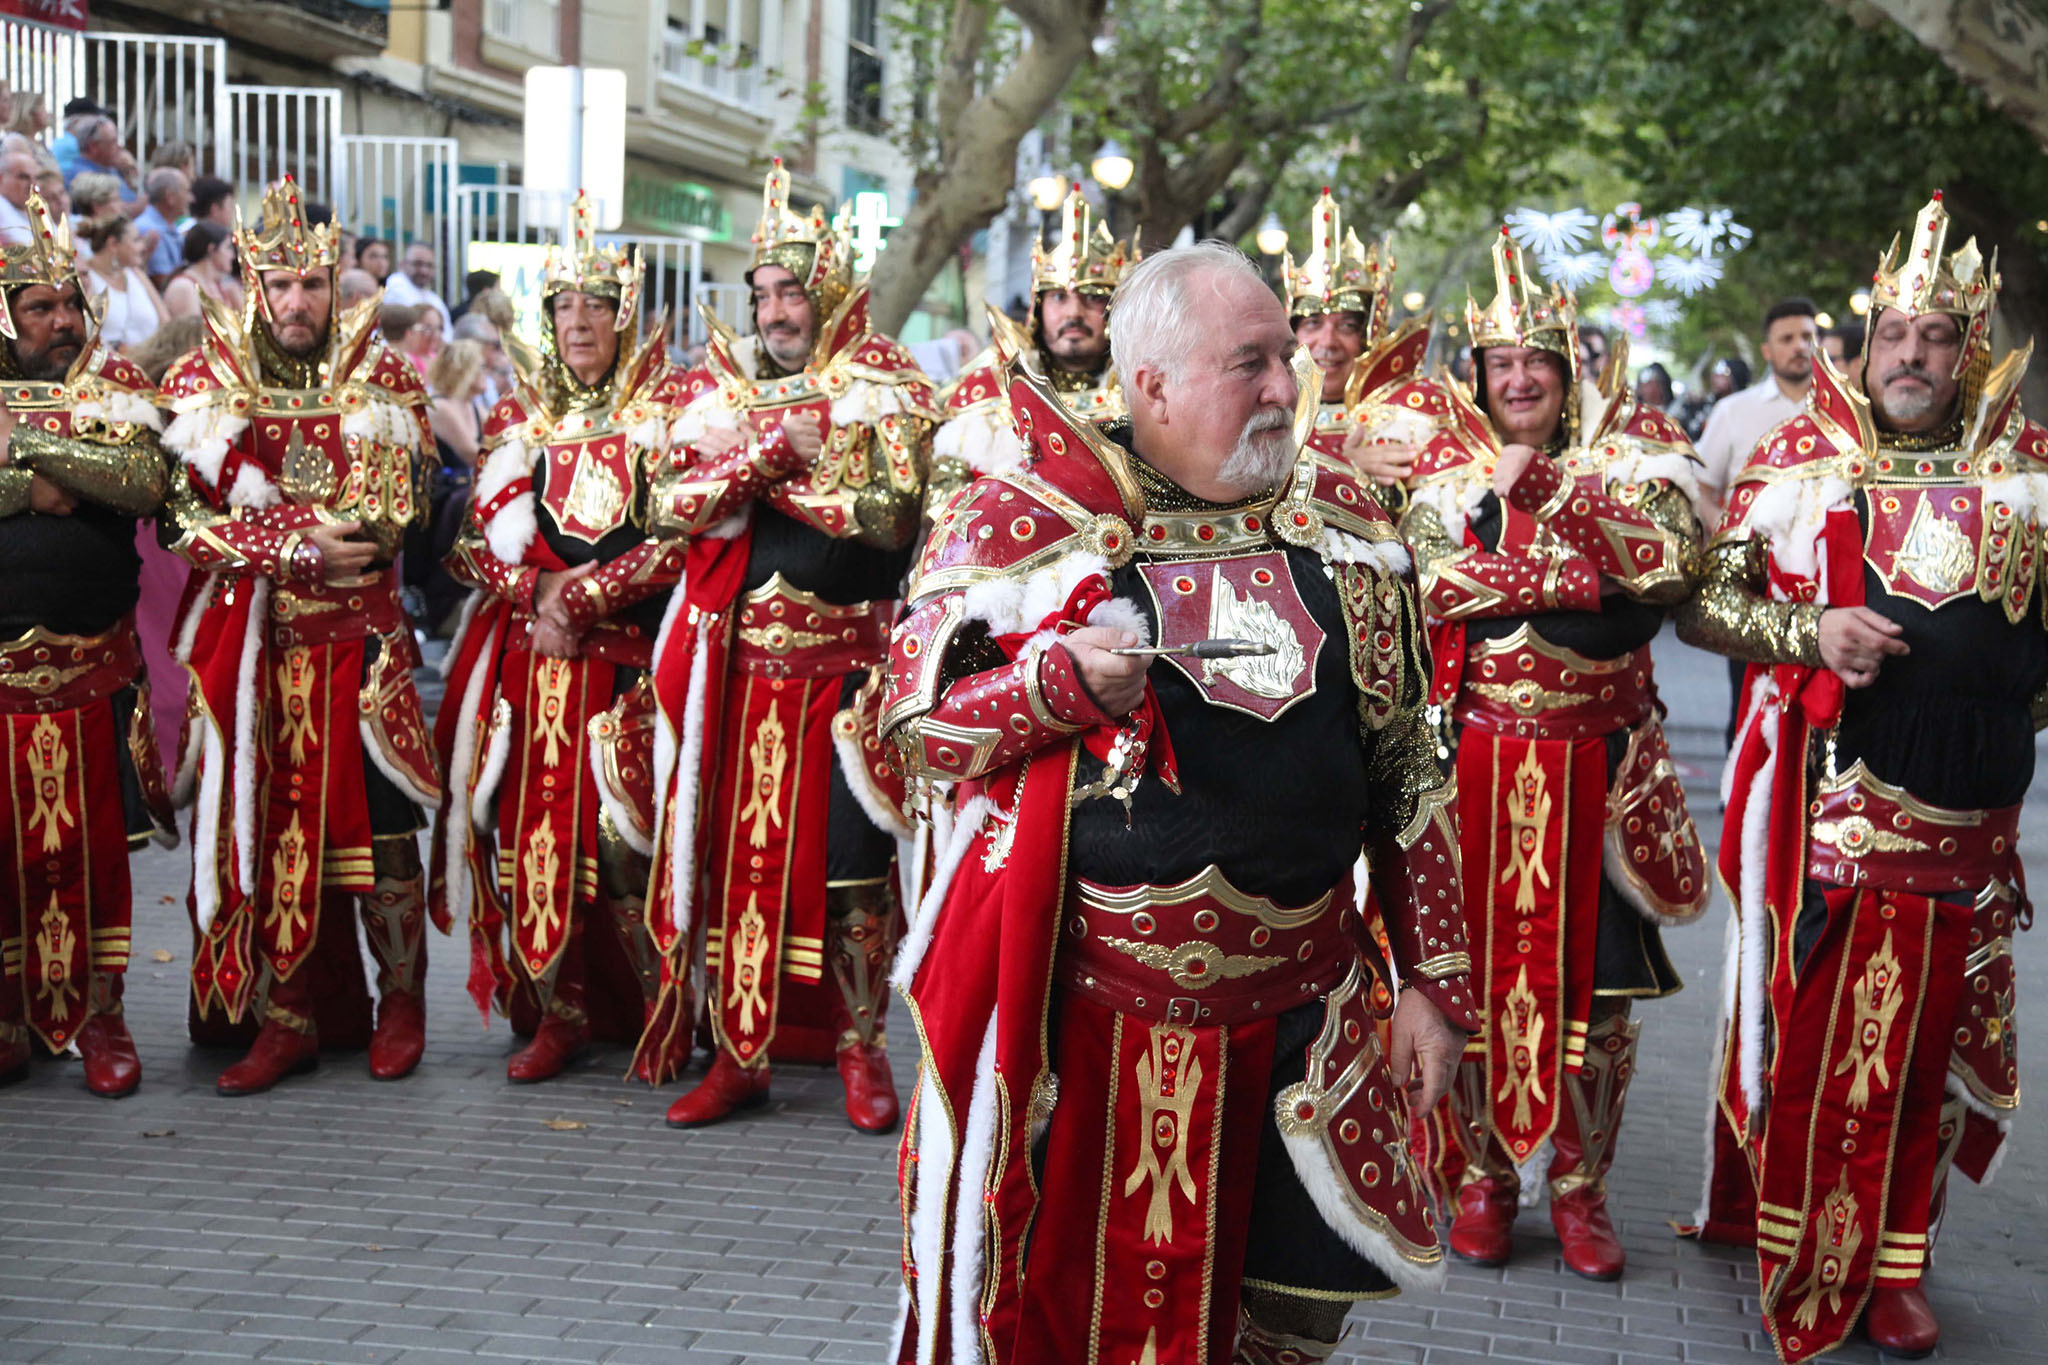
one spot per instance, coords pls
(283, 240)
(581, 266)
(1339, 274)
(1960, 286)
(47, 258)
(1082, 259)
(810, 248)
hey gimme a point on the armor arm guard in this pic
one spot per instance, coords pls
(265, 542)
(130, 477)
(1464, 583)
(1412, 849)
(692, 498)
(472, 562)
(880, 507)
(1731, 614)
(1649, 545)
(651, 567)
(958, 711)
(14, 486)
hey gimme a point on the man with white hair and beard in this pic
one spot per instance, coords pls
(1176, 670)
(1877, 570)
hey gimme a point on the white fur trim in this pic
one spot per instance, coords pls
(1008, 605)
(512, 529)
(201, 439)
(405, 784)
(865, 402)
(1957, 1089)
(682, 842)
(1614, 862)
(1388, 556)
(888, 821)
(385, 422)
(980, 439)
(1326, 1189)
(1791, 514)
(664, 733)
(622, 818)
(206, 868)
(1642, 466)
(709, 413)
(1991, 1167)
(929, 1207)
(1756, 828)
(119, 405)
(970, 1216)
(495, 758)
(1454, 501)
(244, 793)
(2025, 494)
(924, 922)
(1731, 973)
(181, 650)
(458, 828)
(1121, 613)
(647, 433)
(253, 488)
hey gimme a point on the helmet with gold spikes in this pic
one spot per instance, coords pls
(1961, 285)
(1082, 259)
(580, 265)
(1523, 313)
(47, 258)
(1339, 274)
(282, 240)
(808, 246)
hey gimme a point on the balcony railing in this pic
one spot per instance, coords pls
(726, 74)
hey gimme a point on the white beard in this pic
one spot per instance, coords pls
(1261, 456)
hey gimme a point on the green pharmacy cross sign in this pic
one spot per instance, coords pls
(866, 218)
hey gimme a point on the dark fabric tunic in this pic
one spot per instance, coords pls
(74, 575)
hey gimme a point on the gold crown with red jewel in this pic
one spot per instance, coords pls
(47, 257)
(1340, 274)
(283, 239)
(584, 266)
(1082, 258)
(808, 246)
(1961, 284)
(1523, 312)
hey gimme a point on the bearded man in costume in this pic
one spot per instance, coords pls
(1339, 299)
(1552, 527)
(78, 464)
(548, 722)
(305, 748)
(798, 483)
(1152, 1012)
(1071, 282)
(1877, 570)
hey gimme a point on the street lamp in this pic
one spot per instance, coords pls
(1111, 168)
(1047, 189)
(1272, 236)
(1859, 303)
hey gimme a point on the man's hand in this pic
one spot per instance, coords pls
(1116, 682)
(1387, 462)
(549, 606)
(806, 437)
(551, 641)
(717, 442)
(1855, 640)
(48, 498)
(1423, 1040)
(1508, 469)
(341, 556)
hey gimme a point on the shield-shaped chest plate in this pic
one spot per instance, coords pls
(1924, 542)
(589, 486)
(1245, 597)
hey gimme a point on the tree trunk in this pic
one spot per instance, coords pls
(970, 184)
(1998, 46)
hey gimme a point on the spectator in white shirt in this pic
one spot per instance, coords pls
(1742, 419)
(412, 284)
(17, 179)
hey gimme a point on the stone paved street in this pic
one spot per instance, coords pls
(337, 1219)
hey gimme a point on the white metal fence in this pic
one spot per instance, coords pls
(276, 130)
(398, 189)
(161, 89)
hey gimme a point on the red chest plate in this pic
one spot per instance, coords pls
(1246, 597)
(1925, 542)
(588, 486)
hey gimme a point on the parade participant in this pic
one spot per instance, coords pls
(798, 481)
(1877, 569)
(78, 464)
(546, 722)
(305, 749)
(1339, 299)
(1552, 526)
(1151, 1011)
(1070, 287)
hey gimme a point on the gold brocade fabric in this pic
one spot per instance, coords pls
(1731, 615)
(1165, 495)
(282, 370)
(1947, 437)
(1069, 381)
(129, 478)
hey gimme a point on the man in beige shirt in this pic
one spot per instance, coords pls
(1740, 420)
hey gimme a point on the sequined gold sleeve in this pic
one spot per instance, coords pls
(14, 486)
(1731, 615)
(131, 477)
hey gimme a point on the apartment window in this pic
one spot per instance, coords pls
(535, 25)
(864, 67)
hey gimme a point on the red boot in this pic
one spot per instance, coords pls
(1899, 1322)
(279, 1051)
(870, 1087)
(555, 1044)
(1483, 1231)
(401, 1035)
(725, 1090)
(111, 1066)
(1584, 1143)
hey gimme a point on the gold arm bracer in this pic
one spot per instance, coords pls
(130, 477)
(1731, 615)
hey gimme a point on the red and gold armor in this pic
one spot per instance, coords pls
(975, 436)
(542, 843)
(305, 750)
(1169, 992)
(793, 566)
(1871, 832)
(83, 776)
(1577, 844)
